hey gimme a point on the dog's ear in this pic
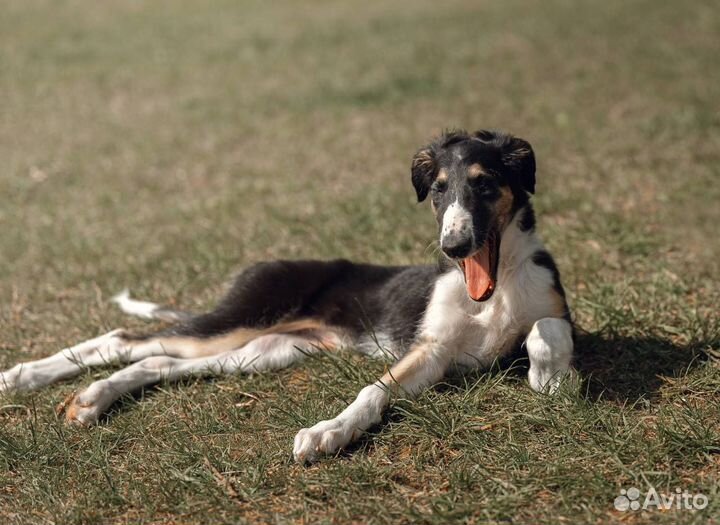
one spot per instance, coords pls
(423, 171)
(516, 154)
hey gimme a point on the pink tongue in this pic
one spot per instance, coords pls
(477, 274)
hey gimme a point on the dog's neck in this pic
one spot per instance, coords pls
(517, 244)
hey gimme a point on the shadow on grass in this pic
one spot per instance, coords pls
(622, 368)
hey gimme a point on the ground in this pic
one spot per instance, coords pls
(163, 145)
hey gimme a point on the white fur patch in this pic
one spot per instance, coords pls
(550, 349)
(131, 306)
(455, 219)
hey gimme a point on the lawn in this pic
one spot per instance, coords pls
(163, 145)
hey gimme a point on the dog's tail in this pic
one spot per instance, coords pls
(148, 310)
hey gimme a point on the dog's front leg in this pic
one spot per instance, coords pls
(422, 366)
(550, 347)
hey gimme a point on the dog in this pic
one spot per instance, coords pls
(494, 289)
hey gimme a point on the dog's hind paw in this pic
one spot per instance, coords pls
(85, 409)
(327, 437)
(8, 379)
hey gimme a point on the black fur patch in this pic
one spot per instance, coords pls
(526, 222)
(544, 259)
(358, 297)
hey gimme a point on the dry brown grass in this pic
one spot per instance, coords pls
(163, 146)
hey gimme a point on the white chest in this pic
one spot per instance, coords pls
(478, 333)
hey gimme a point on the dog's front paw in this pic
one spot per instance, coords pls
(327, 437)
(550, 381)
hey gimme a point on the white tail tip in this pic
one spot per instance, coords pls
(143, 309)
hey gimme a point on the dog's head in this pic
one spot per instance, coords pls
(476, 183)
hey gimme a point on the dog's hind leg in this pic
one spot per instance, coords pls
(262, 296)
(267, 352)
(106, 349)
(66, 363)
(117, 346)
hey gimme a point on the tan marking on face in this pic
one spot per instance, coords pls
(442, 177)
(503, 207)
(475, 170)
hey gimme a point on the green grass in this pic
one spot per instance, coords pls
(163, 145)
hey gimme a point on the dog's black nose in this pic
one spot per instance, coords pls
(457, 247)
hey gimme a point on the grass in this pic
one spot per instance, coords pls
(162, 146)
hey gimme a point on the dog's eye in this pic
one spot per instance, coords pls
(484, 189)
(489, 193)
(439, 187)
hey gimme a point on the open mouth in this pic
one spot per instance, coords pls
(480, 269)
